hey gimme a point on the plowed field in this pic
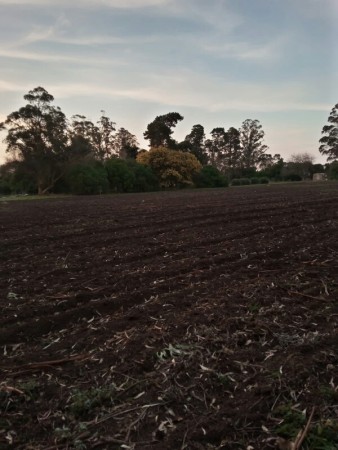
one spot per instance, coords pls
(178, 320)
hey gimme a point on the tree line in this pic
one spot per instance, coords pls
(50, 153)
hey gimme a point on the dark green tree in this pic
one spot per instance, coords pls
(272, 167)
(87, 178)
(253, 149)
(120, 176)
(329, 141)
(216, 148)
(125, 144)
(37, 137)
(210, 177)
(81, 126)
(144, 178)
(233, 150)
(104, 138)
(100, 137)
(160, 130)
(332, 170)
(299, 165)
(194, 143)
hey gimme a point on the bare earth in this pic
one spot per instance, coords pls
(179, 320)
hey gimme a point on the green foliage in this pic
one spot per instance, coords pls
(224, 149)
(293, 421)
(240, 182)
(274, 171)
(236, 182)
(87, 179)
(333, 171)
(292, 177)
(247, 172)
(160, 130)
(144, 178)
(5, 187)
(210, 177)
(323, 436)
(23, 182)
(83, 402)
(120, 176)
(194, 143)
(329, 141)
(329, 393)
(30, 388)
(255, 180)
(37, 137)
(251, 138)
(130, 176)
(125, 144)
(245, 181)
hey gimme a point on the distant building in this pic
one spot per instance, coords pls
(319, 177)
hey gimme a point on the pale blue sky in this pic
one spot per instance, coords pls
(216, 62)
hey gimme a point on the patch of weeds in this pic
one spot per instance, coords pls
(224, 379)
(82, 402)
(79, 445)
(30, 389)
(322, 436)
(254, 308)
(63, 433)
(329, 393)
(293, 421)
(275, 374)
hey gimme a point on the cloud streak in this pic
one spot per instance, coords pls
(190, 90)
(121, 4)
(60, 58)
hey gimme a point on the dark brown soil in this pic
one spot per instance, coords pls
(180, 320)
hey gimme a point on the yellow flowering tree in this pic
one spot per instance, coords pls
(173, 168)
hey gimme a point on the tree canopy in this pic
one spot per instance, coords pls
(160, 130)
(172, 167)
(329, 140)
(50, 152)
(251, 138)
(45, 144)
(37, 136)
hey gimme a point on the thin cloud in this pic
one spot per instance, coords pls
(246, 51)
(50, 35)
(54, 57)
(6, 86)
(122, 4)
(195, 91)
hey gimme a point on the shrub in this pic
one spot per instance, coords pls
(264, 180)
(144, 178)
(333, 171)
(210, 177)
(236, 182)
(121, 178)
(87, 179)
(245, 181)
(5, 188)
(255, 180)
(293, 177)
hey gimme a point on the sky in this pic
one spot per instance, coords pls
(216, 62)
